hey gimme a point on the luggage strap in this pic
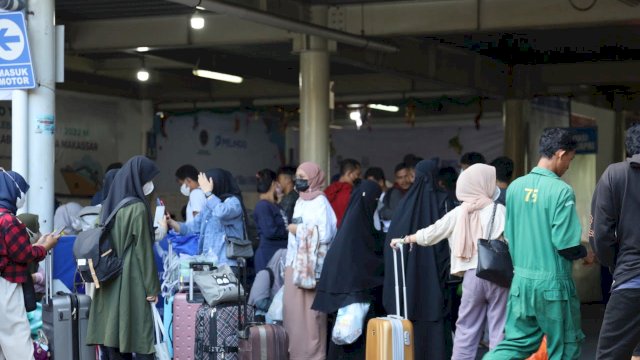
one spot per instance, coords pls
(75, 324)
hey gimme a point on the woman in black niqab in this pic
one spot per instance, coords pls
(353, 265)
(353, 268)
(426, 267)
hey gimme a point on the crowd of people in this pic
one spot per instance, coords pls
(337, 244)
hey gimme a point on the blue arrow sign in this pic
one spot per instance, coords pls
(16, 68)
(5, 40)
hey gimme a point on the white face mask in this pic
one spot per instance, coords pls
(21, 200)
(185, 190)
(147, 188)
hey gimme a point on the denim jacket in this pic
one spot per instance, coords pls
(216, 220)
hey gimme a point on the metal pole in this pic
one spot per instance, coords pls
(19, 132)
(42, 112)
(314, 98)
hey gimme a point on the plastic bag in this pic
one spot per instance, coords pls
(35, 319)
(183, 244)
(275, 313)
(349, 323)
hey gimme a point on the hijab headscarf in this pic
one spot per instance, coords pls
(316, 180)
(475, 188)
(353, 265)
(66, 216)
(427, 268)
(225, 186)
(11, 184)
(128, 181)
(106, 183)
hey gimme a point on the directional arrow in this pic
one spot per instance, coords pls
(5, 40)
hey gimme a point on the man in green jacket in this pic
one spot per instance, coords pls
(543, 231)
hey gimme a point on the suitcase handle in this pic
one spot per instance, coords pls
(397, 250)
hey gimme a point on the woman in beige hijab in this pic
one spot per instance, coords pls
(463, 226)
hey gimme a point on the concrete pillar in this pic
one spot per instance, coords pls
(19, 132)
(42, 112)
(314, 96)
(515, 136)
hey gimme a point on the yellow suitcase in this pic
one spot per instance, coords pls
(391, 337)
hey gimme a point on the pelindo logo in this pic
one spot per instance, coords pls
(226, 142)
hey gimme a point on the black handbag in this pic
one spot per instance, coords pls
(494, 259)
(29, 293)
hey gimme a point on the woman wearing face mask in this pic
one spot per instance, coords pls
(223, 215)
(463, 226)
(120, 318)
(313, 219)
(270, 220)
(15, 256)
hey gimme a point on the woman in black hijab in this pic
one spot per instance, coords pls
(426, 268)
(352, 271)
(120, 316)
(223, 215)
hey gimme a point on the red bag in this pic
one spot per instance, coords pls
(541, 354)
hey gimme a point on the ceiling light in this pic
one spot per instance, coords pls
(142, 49)
(197, 21)
(142, 75)
(200, 8)
(389, 108)
(217, 76)
(357, 117)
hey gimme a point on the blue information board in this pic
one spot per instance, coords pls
(16, 68)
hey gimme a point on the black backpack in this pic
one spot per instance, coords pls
(93, 249)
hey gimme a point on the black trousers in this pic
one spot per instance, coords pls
(620, 332)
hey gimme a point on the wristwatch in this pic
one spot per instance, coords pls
(208, 194)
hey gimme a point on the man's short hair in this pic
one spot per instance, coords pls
(504, 168)
(187, 171)
(471, 158)
(554, 139)
(347, 165)
(289, 171)
(376, 173)
(448, 176)
(400, 167)
(411, 160)
(632, 141)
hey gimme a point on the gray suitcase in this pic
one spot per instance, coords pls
(65, 320)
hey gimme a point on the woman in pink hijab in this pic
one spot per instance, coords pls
(311, 232)
(463, 226)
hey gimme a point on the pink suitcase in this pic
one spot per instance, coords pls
(184, 320)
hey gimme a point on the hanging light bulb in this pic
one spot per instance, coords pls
(142, 75)
(197, 21)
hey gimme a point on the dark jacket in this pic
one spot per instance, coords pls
(615, 209)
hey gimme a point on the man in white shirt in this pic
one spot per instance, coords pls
(187, 177)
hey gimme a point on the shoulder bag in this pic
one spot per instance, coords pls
(494, 259)
(239, 247)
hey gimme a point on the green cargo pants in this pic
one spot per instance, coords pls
(541, 304)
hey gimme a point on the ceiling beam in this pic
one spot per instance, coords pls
(166, 32)
(456, 16)
(435, 63)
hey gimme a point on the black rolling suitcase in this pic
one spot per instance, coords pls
(65, 318)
